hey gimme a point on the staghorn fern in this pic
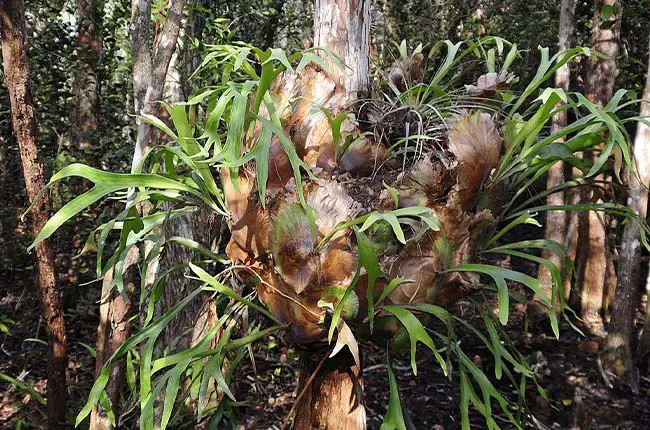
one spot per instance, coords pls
(244, 136)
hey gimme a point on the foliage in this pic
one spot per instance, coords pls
(222, 141)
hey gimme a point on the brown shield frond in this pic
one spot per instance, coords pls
(476, 143)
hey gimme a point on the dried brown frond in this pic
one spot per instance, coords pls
(489, 84)
(475, 142)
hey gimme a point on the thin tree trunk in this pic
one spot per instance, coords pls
(160, 60)
(335, 399)
(16, 72)
(201, 226)
(149, 72)
(480, 20)
(85, 125)
(556, 224)
(592, 256)
(113, 330)
(620, 335)
(642, 353)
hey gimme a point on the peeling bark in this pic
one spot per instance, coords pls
(23, 117)
(333, 400)
(343, 27)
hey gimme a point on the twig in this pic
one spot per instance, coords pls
(603, 373)
(304, 390)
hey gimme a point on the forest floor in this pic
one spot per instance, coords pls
(567, 369)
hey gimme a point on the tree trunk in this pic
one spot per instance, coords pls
(333, 397)
(620, 335)
(16, 73)
(592, 258)
(556, 223)
(149, 73)
(480, 21)
(154, 75)
(343, 27)
(84, 134)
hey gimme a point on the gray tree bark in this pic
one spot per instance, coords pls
(343, 27)
(150, 64)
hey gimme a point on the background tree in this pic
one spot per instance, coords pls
(84, 133)
(150, 68)
(620, 334)
(556, 221)
(592, 258)
(16, 73)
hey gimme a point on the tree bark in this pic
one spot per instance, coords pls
(556, 221)
(149, 73)
(16, 72)
(333, 399)
(343, 27)
(85, 125)
(620, 334)
(154, 75)
(113, 330)
(592, 257)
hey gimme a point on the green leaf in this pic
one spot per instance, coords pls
(416, 333)
(23, 387)
(526, 218)
(309, 57)
(500, 274)
(392, 285)
(393, 193)
(95, 392)
(171, 390)
(394, 419)
(105, 184)
(222, 289)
